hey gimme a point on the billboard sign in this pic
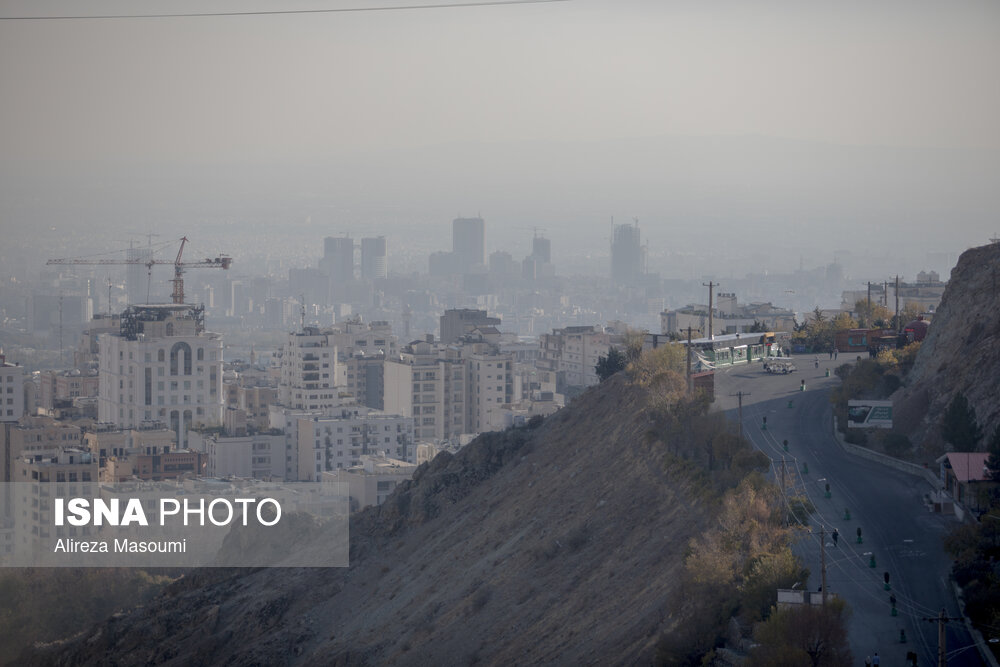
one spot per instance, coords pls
(869, 414)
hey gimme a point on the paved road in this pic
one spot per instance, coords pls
(904, 538)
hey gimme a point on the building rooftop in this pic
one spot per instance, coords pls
(968, 466)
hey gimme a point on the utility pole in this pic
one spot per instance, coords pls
(899, 326)
(869, 313)
(941, 619)
(690, 388)
(60, 329)
(784, 501)
(942, 640)
(739, 395)
(711, 287)
(822, 556)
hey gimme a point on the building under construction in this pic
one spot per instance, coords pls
(162, 365)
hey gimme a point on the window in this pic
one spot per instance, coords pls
(176, 352)
(159, 355)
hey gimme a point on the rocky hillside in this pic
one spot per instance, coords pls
(961, 351)
(560, 544)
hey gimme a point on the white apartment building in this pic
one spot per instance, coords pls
(11, 390)
(492, 384)
(161, 366)
(309, 371)
(354, 337)
(371, 482)
(572, 354)
(328, 443)
(257, 456)
(451, 390)
(428, 384)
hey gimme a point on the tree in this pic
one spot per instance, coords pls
(610, 364)
(908, 313)
(843, 322)
(872, 314)
(993, 462)
(959, 426)
(634, 341)
(803, 635)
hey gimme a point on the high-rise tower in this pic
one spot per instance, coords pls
(338, 258)
(627, 256)
(374, 258)
(468, 242)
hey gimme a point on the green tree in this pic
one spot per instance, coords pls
(959, 426)
(609, 365)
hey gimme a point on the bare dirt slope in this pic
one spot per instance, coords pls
(562, 544)
(961, 351)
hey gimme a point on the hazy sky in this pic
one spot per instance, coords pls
(289, 86)
(337, 87)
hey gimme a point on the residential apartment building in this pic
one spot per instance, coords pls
(11, 390)
(309, 371)
(427, 384)
(60, 387)
(161, 366)
(490, 381)
(68, 472)
(572, 353)
(728, 317)
(34, 436)
(373, 480)
(458, 322)
(258, 456)
(333, 442)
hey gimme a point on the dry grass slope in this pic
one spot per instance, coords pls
(561, 544)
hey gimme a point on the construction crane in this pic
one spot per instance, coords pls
(220, 262)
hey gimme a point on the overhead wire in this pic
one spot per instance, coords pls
(768, 436)
(275, 12)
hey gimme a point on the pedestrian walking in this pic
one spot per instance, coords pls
(868, 661)
(875, 662)
(836, 536)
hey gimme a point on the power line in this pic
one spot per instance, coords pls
(455, 5)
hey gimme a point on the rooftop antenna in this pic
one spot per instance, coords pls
(302, 311)
(60, 328)
(109, 296)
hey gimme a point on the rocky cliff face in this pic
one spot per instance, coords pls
(961, 352)
(560, 544)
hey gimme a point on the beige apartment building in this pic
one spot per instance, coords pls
(161, 366)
